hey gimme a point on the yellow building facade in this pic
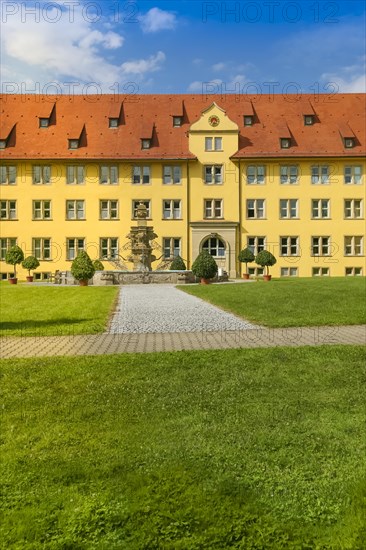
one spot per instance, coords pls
(215, 175)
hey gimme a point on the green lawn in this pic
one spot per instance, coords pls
(291, 302)
(44, 311)
(247, 449)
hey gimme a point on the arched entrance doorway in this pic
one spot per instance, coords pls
(215, 246)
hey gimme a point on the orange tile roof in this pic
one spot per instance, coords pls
(273, 113)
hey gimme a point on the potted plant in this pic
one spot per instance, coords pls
(14, 256)
(98, 266)
(178, 264)
(265, 259)
(246, 256)
(204, 267)
(31, 263)
(82, 268)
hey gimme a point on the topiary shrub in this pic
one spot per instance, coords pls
(246, 256)
(178, 264)
(98, 266)
(204, 266)
(30, 263)
(14, 256)
(265, 259)
(82, 267)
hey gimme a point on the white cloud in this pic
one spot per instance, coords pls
(218, 66)
(68, 50)
(349, 79)
(206, 86)
(142, 66)
(157, 20)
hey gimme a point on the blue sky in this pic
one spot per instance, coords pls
(183, 46)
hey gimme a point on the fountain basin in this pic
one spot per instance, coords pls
(102, 278)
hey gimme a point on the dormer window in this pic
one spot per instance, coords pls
(44, 122)
(113, 122)
(309, 120)
(285, 143)
(349, 143)
(145, 143)
(73, 143)
(177, 121)
(2, 143)
(248, 120)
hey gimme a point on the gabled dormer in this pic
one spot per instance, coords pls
(347, 135)
(146, 135)
(115, 115)
(47, 115)
(77, 136)
(7, 134)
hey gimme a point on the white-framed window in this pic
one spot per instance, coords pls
(42, 276)
(248, 120)
(285, 143)
(320, 209)
(145, 143)
(8, 175)
(75, 174)
(73, 144)
(113, 122)
(41, 174)
(213, 144)
(44, 122)
(353, 245)
(289, 208)
(8, 210)
(289, 246)
(41, 210)
(353, 209)
(214, 174)
(255, 208)
(2, 143)
(289, 174)
(213, 208)
(353, 175)
(172, 175)
(171, 247)
(141, 175)
(108, 209)
(41, 248)
(135, 204)
(256, 244)
(320, 246)
(256, 174)
(5, 244)
(74, 245)
(108, 175)
(108, 247)
(289, 271)
(172, 209)
(309, 120)
(320, 271)
(349, 143)
(177, 121)
(256, 271)
(75, 210)
(353, 272)
(215, 247)
(320, 174)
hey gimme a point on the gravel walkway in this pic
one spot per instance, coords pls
(165, 309)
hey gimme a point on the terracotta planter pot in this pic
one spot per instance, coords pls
(83, 282)
(205, 281)
(267, 277)
(13, 281)
(246, 276)
(29, 279)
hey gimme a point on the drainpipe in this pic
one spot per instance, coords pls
(188, 217)
(240, 217)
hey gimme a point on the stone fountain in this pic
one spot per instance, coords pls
(140, 247)
(140, 242)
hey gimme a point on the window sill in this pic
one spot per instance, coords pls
(292, 218)
(42, 219)
(355, 219)
(256, 218)
(171, 219)
(9, 219)
(319, 219)
(75, 219)
(109, 219)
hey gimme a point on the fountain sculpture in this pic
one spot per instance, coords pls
(140, 238)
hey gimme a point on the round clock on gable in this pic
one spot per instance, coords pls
(214, 120)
